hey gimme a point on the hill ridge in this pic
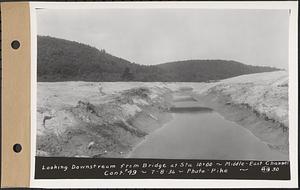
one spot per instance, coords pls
(65, 60)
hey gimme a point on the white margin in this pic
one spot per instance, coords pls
(33, 101)
(175, 183)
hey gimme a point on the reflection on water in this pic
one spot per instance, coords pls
(185, 99)
(190, 109)
(188, 105)
(200, 133)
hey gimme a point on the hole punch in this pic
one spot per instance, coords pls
(15, 44)
(17, 148)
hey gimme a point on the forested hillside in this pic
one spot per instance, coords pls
(203, 70)
(63, 60)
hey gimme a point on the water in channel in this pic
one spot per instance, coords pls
(197, 132)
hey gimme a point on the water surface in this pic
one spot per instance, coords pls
(198, 132)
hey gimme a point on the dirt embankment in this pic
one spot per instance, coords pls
(78, 122)
(263, 123)
(108, 129)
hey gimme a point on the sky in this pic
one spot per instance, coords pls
(154, 36)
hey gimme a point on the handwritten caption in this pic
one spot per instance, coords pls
(143, 168)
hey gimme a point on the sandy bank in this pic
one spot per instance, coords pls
(110, 127)
(273, 133)
(258, 102)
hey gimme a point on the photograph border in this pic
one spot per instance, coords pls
(204, 183)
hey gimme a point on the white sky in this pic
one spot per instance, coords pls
(152, 36)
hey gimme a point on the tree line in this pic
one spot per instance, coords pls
(64, 60)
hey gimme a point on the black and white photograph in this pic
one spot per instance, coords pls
(163, 83)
